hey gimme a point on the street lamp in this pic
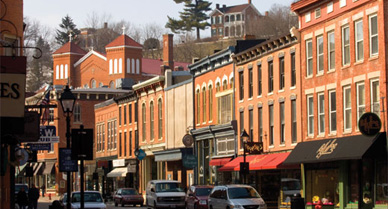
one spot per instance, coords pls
(67, 102)
(244, 169)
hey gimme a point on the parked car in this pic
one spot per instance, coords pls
(165, 194)
(19, 186)
(92, 199)
(235, 196)
(63, 199)
(128, 196)
(197, 196)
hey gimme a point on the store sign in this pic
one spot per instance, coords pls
(48, 134)
(369, 124)
(118, 163)
(254, 147)
(12, 95)
(327, 148)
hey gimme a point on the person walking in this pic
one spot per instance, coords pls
(43, 188)
(21, 199)
(33, 196)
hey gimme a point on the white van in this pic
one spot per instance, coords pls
(165, 194)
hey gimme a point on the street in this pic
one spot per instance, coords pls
(44, 203)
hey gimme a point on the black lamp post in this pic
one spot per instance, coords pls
(244, 169)
(67, 102)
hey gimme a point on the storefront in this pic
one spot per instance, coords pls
(348, 172)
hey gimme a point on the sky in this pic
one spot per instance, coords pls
(137, 12)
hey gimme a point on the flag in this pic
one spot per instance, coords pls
(46, 101)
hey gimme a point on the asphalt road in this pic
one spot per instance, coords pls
(45, 203)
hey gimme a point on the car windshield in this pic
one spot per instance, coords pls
(18, 187)
(88, 197)
(129, 192)
(203, 191)
(242, 193)
(168, 187)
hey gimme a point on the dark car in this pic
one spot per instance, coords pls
(128, 196)
(197, 196)
(18, 187)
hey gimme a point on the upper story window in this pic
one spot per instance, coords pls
(259, 80)
(345, 45)
(152, 124)
(309, 57)
(210, 102)
(125, 115)
(310, 115)
(238, 17)
(198, 106)
(360, 99)
(318, 13)
(375, 96)
(294, 134)
(342, 3)
(347, 98)
(225, 146)
(307, 17)
(203, 104)
(120, 115)
(226, 18)
(12, 42)
(281, 73)
(331, 50)
(270, 76)
(160, 119)
(93, 83)
(224, 108)
(359, 39)
(232, 18)
(241, 75)
(250, 74)
(319, 54)
(293, 70)
(77, 113)
(329, 7)
(112, 85)
(282, 124)
(321, 113)
(332, 111)
(271, 125)
(373, 36)
(143, 117)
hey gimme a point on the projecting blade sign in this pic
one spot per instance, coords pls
(48, 134)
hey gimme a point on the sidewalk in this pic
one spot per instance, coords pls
(46, 199)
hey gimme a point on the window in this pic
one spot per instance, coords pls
(241, 128)
(270, 77)
(331, 50)
(115, 66)
(220, 31)
(226, 18)
(143, 118)
(93, 84)
(51, 115)
(282, 124)
(112, 85)
(125, 115)
(307, 17)
(11, 41)
(198, 104)
(130, 113)
(210, 102)
(241, 75)
(347, 109)
(293, 122)
(251, 123)
(120, 145)
(345, 46)
(310, 115)
(373, 35)
(120, 116)
(250, 82)
(359, 39)
(271, 125)
(103, 137)
(203, 104)
(160, 119)
(319, 54)
(360, 99)
(318, 13)
(238, 17)
(260, 124)
(110, 66)
(259, 80)
(225, 85)
(231, 18)
(332, 111)
(152, 130)
(115, 133)
(125, 143)
(321, 113)
(108, 141)
(281, 73)
(375, 98)
(309, 57)
(77, 113)
(136, 112)
(293, 70)
(130, 143)
(225, 146)
(330, 7)
(224, 109)
(137, 66)
(342, 3)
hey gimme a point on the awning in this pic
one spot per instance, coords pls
(48, 168)
(19, 171)
(257, 162)
(172, 154)
(346, 148)
(38, 169)
(118, 172)
(219, 161)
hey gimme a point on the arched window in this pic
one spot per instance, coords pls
(137, 66)
(226, 18)
(218, 87)
(112, 85)
(61, 71)
(238, 30)
(128, 65)
(160, 119)
(110, 66)
(232, 31)
(224, 85)
(66, 71)
(226, 31)
(204, 104)
(57, 72)
(231, 82)
(198, 104)
(77, 113)
(210, 103)
(100, 85)
(93, 83)
(133, 66)
(152, 120)
(143, 119)
(115, 67)
(120, 65)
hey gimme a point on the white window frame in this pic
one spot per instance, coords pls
(309, 72)
(317, 12)
(329, 7)
(310, 115)
(320, 55)
(345, 47)
(330, 50)
(332, 111)
(371, 36)
(307, 16)
(342, 3)
(347, 109)
(372, 92)
(321, 113)
(359, 53)
(359, 104)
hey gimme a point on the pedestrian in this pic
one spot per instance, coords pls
(33, 196)
(43, 187)
(21, 198)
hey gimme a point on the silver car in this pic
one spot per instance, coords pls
(235, 196)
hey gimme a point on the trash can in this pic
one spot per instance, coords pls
(297, 202)
(56, 205)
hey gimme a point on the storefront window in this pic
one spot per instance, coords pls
(381, 183)
(322, 186)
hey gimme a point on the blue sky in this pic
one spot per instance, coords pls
(138, 12)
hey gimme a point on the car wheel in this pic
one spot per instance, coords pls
(195, 206)
(116, 204)
(122, 203)
(141, 204)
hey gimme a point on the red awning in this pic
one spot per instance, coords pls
(219, 161)
(257, 162)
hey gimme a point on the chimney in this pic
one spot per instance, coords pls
(224, 6)
(266, 13)
(163, 69)
(178, 68)
(168, 55)
(249, 1)
(105, 25)
(217, 6)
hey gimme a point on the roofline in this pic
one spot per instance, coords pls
(124, 46)
(88, 55)
(210, 57)
(148, 82)
(67, 53)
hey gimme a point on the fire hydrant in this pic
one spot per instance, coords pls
(49, 194)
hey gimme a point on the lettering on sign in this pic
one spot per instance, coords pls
(369, 124)
(254, 147)
(12, 94)
(326, 148)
